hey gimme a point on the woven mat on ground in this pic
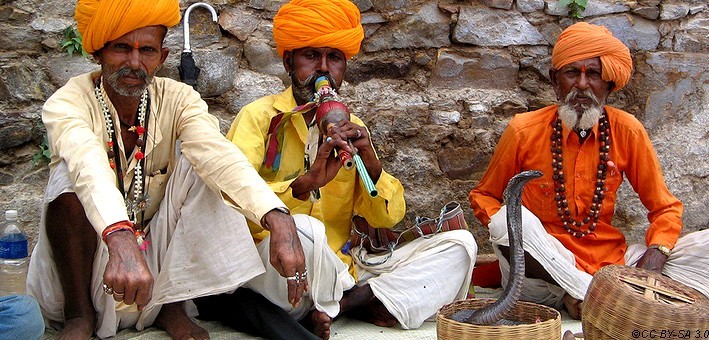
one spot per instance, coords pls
(342, 329)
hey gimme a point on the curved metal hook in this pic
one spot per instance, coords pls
(186, 23)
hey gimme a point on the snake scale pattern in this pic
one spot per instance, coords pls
(498, 311)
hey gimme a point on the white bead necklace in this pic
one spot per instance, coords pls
(139, 201)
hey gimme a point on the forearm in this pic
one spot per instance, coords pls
(373, 165)
(303, 185)
(77, 154)
(387, 208)
(484, 205)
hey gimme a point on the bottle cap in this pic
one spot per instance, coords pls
(11, 214)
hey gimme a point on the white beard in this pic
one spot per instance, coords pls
(583, 120)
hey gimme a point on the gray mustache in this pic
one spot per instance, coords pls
(124, 72)
(310, 81)
(587, 93)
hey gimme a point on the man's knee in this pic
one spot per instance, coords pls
(65, 209)
(66, 201)
(66, 222)
(308, 225)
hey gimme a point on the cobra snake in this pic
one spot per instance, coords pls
(497, 311)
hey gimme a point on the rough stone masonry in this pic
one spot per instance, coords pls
(436, 82)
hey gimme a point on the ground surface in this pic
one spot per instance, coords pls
(342, 329)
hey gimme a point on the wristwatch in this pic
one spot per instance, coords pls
(662, 248)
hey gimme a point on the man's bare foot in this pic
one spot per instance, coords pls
(356, 297)
(173, 319)
(318, 323)
(375, 313)
(573, 306)
(79, 327)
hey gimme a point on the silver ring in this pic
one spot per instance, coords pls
(118, 296)
(108, 290)
(359, 133)
(295, 278)
(298, 277)
(328, 139)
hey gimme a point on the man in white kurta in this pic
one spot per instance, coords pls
(88, 271)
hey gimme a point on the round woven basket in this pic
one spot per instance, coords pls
(538, 322)
(627, 302)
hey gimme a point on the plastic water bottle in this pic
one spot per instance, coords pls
(13, 256)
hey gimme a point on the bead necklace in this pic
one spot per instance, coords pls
(138, 203)
(571, 225)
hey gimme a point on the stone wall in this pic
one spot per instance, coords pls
(436, 82)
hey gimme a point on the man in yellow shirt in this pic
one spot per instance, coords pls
(316, 38)
(130, 230)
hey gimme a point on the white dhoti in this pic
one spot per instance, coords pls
(419, 278)
(688, 263)
(328, 276)
(198, 246)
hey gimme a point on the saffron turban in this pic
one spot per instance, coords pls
(318, 23)
(101, 21)
(583, 41)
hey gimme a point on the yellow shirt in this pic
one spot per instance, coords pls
(77, 135)
(340, 199)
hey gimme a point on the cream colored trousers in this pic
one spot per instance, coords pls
(198, 246)
(688, 263)
(420, 277)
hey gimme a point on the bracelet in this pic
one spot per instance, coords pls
(662, 248)
(116, 227)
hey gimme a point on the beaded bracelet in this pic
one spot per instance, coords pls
(119, 226)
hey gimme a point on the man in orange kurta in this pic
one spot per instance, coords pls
(584, 148)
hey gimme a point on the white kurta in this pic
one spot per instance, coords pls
(78, 138)
(200, 243)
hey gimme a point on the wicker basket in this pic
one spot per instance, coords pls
(623, 301)
(539, 322)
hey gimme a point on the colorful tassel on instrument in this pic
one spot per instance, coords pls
(274, 147)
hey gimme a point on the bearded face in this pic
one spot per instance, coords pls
(134, 91)
(305, 65)
(582, 92)
(580, 116)
(129, 63)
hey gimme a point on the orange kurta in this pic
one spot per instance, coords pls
(526, 145)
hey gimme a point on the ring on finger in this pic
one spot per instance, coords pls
(118, 296)
(108, 290)
(359, 133)
(298, 277)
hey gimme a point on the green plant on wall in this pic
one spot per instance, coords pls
(72, 42)
(576, 7)
(43, 154)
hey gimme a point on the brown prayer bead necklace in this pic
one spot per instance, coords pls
(571, 225)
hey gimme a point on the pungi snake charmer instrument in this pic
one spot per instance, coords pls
(331, 111)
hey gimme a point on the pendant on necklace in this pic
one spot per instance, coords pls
(582, 133)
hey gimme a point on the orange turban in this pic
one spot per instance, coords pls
(318, 23)
(583, 41)
(101, 21)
